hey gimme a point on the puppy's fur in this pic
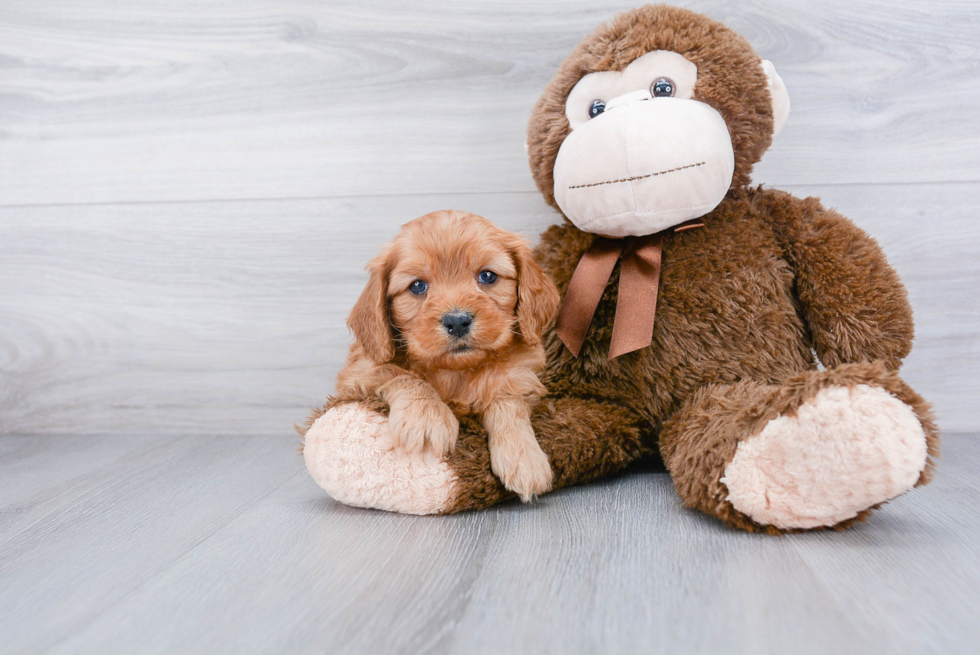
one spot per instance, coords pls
(405, 354)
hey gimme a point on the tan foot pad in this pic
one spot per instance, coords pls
(845, 450)
(350, 453)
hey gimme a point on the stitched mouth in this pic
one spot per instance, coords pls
(638, 177)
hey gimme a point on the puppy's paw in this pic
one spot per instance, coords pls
(418, 425)
(522, 466)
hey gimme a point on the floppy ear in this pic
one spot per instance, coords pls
(369, 320)
(537, 295)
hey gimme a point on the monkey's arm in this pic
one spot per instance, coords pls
(852, 301)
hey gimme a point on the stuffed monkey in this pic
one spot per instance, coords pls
(695, 307)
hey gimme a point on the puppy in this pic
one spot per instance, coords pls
(453, 313)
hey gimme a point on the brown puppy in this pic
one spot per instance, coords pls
(453, 313)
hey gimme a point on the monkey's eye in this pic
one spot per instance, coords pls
(597, 107)
(662, 87)
(487, 277)
(418, 287)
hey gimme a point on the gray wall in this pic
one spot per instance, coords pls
(189, 191)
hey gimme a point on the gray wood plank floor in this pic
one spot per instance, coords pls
(131, 544)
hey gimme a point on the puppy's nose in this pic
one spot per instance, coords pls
(457, 323)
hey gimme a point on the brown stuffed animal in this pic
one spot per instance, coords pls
(693, 305)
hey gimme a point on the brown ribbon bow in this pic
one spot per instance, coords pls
(639, 282)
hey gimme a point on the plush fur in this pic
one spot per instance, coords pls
(744, 304)
(730, 79)
(351, 455)
(837, 454)
(700, 441)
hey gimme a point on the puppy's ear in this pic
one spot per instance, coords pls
(537, 295)
(369, 320)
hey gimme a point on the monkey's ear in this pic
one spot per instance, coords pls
(537, 295)
(369, 320)
(780, 98)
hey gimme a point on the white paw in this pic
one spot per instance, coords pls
(845, 450)
(522, 467)
(350, 453)
(419, 425)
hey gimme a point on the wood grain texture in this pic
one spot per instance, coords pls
(71, 556)
(219, 545)
(160, 101)
(228, 317)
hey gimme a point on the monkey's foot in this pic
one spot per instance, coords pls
(351, 454)
(845, 450)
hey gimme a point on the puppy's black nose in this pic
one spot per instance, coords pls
(457, 323)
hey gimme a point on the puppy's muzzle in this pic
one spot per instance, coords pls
(457, 324)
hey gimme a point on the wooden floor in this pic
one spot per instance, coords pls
(139, 544)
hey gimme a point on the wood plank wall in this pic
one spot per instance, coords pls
(189, 190)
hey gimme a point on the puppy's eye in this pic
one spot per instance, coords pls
(418, 287)
(487, 277)
(596, 108)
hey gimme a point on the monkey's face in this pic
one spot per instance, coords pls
(642, 156)
(651, 121)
